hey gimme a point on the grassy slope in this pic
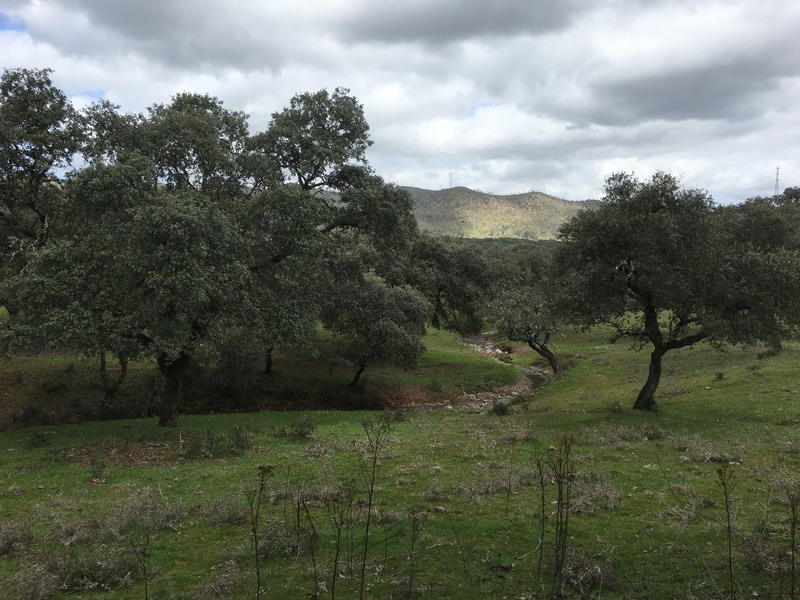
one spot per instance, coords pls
(651, 510)
(66, 388)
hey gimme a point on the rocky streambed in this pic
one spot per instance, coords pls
(532, 378)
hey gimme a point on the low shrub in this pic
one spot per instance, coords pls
(150, 509)
(33, 581)
(317, 450)
(226, 579)
(583, 572)
(15, 538)
(39, 439)
(80, 412)
(394, 415)
(98, 468)
(238, 440)
(102, 567)
(500, 409)
(299, 429)
(32, 416)
(53, 387)
(226, 510)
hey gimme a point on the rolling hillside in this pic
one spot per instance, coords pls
(462, 212)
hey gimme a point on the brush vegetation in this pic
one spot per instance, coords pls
(570, 493)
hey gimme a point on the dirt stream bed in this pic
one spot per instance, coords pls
(532, 377)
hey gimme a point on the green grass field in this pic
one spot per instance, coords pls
(123, 509)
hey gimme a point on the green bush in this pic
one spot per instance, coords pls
(499, 409)
(299, 429)
(32, 416)
(212, 445)
(98, 467)
(53, 387)
(38, 439)
(240, 439)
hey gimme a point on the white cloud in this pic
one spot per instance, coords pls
(505, 96)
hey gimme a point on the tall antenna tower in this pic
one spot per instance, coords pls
(451, 180)
(777, 177)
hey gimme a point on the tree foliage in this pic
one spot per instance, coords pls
(318, 141)
(525, 304)
(183, 234)
(655, 262)
(454, 276)
(378, 321)
(762, 249)
(39, 136)
(370, 303)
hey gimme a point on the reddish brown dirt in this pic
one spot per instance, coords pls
(135, 453)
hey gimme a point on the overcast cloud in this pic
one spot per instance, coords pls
(504, 96)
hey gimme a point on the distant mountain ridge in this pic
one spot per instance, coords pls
(462, 212)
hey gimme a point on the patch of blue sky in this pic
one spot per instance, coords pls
(97, 94)
(11, 23)
(84, 98)
(477, 107)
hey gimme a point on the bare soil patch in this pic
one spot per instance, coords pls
(162, 450)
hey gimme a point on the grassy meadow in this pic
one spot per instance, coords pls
(570, 494)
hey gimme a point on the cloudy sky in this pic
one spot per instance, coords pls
(504, 96)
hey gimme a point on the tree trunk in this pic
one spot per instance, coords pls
(646, 398)
(173, 372)
(110, 386)
(545, 352)
(357, 378)
(268, 361)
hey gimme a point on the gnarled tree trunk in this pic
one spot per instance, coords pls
(775, 344)
(110, 386)
(357, 378)
(173, 372)
(646, 399)
(268, 361)
(545, 352)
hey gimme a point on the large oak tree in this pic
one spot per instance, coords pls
(656, 263)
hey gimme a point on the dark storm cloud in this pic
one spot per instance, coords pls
(732, 90)
(440, 23)
(717, 92)
(139, 20)
(180, 33)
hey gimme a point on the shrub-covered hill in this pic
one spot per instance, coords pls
(462, 212)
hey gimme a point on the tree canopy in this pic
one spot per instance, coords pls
(655, 262)
(318, 141)
(40, 134)
(181, 230)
